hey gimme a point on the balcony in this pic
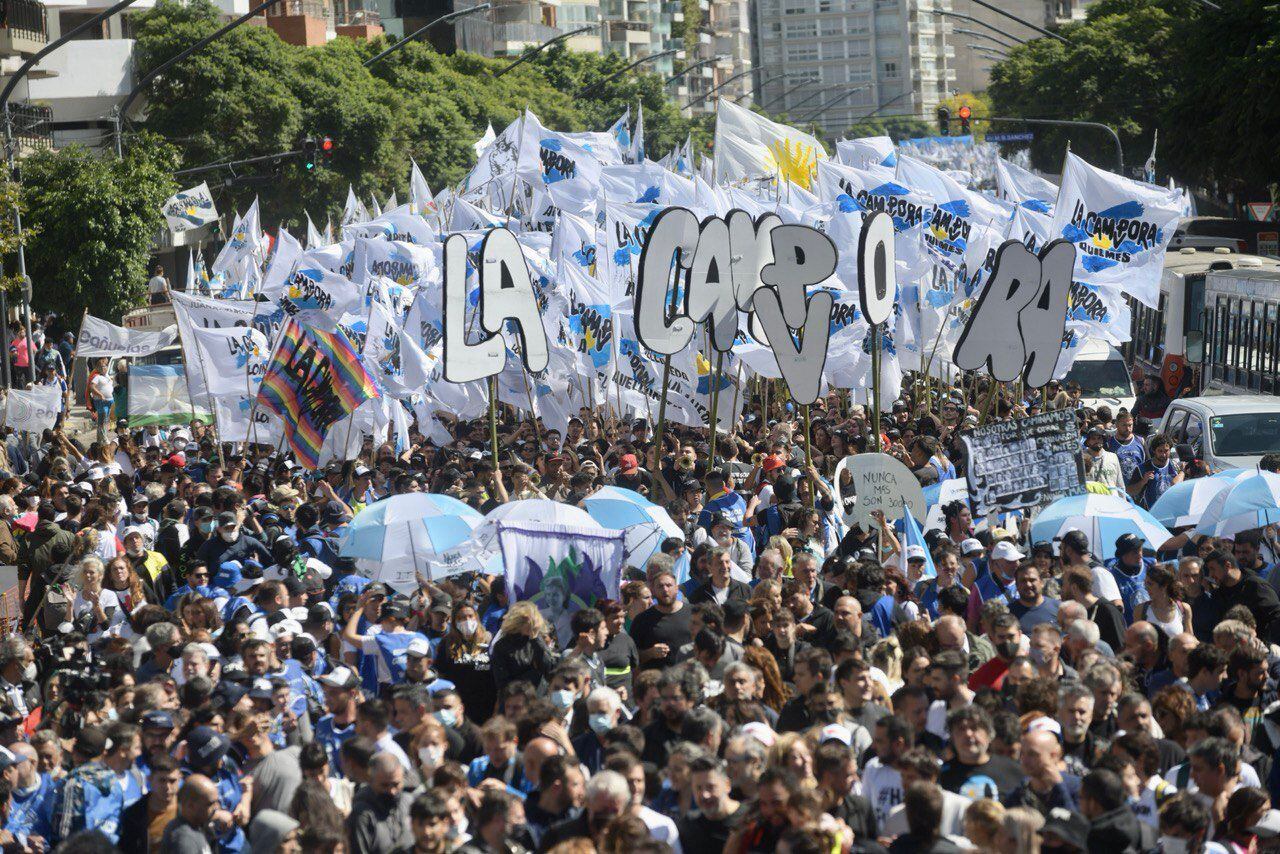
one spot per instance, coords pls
(23, 28)
(32, 127)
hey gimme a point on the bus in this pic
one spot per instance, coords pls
(1215, 329)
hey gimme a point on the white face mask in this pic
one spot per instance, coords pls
(468, 627)
(431, 755)
(29, 672)
(229, 536)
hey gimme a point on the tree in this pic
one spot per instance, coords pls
(1117, 68)
(93, 219)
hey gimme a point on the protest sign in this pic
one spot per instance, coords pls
(99, 338)
(877, 482)
(1025, 463)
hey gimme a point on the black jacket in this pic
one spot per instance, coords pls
(1258, 596)
(704, 593)
(520, 657)
(133, 828)
(574, 828)
(1120, 832)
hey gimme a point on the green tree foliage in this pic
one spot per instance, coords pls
(251, 94)
(94, 219)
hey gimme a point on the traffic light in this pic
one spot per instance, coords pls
(964, 113)
(326, 149)
(309, 149)
(944, 121)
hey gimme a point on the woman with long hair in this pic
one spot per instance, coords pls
(773, 691)
(463, 659)
(1167, 609)
(93, 603)
(1245, 808)
(124, 582)
(521, 650)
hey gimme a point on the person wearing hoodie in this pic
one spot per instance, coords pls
(47, 546)
(1112, 825)
(273, 832)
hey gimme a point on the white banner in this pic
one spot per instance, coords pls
(232, 413)
(562, 568)
(188, 209)
(99, 338)
(1120, 228)
(231, 361)
(33, 411)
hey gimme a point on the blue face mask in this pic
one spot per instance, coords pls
(447, 717)
(562, 699)
(600, 724)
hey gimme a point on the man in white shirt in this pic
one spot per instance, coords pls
(919, 765)
(157, 286)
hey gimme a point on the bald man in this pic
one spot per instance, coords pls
(1142, 642)
(189, 832)
(379, 819)
(31, 811)
(952, 633)
(1176, 662)
(1046, 785)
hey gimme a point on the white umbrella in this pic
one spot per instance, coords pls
(1251, 502)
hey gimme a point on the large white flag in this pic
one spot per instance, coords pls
(33, 411)
(231, 360)
(1024, 187)
(245, 241)
(867, 151)
(188, 209)
(749, 146)
(99, 338)
(1120, 228)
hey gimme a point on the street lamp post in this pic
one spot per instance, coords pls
(822, 109)
(806, 82)
(123, 109)
(715, 89)
(815, 94)
(978, 34)
(587, 90)
(720, 57)
(1012, 17)
(530, 54)
(948, 13)
(987, 51)
(11, 156)
(452, 16)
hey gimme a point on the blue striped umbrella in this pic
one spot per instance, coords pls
(1184, 503)
(646, 524)
(1102, 518)
(1253, 501)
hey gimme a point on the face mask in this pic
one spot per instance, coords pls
(469, 627)
(1037, 656)
(457, 831)
(1008, 649)
(29, 672)
(447, 717)
(600, 724)
(562, 699)
(229, 536)
(431, 755)
(1174, 845)
(139, 517)
(206, 527)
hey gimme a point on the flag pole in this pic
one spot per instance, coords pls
(876, 332)
(808, 456)
(715, 403)
(493, 419)
(733, 431)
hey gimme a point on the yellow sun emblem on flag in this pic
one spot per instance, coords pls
(793, 160)
(1101, 241)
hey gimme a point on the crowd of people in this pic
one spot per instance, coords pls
(197, 667)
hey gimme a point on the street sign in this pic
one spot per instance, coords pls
(1261, 211)
(1021, 136)
(1269, 243)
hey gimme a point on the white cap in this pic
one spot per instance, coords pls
(298, 615)
(971, 546)
(133, 529)
(1005, 550)
(916, 553)
(290, 627)
(1044, 724)
(418, 648)
(836, 732)
(340, 677)
(760, 732)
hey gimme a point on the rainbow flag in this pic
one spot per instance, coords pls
(314, 379)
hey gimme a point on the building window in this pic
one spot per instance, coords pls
(802, 30)
(802, 52)
(891, 69)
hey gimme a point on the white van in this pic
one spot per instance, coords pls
(1103, 376)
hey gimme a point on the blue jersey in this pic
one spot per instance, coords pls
(31, 813)
(331, 737)
(1130, 453)
(1161, 479)
(1133, 585)
(733, 506)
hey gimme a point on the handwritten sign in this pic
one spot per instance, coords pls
(1025, 463)
(876, 482)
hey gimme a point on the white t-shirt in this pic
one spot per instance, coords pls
(102, 386)
(661, 828)
(156, 285)
(882, 786)
(1104, 584)
(953, 807)
(110, 605)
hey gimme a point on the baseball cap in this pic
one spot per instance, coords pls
(156, 719)
(91, 742)
(1269, 826)
(1126, 543)
(720, 519)
(319, 613)
(628, 463)
(206, 747)
(228, 694)
(362, 471)
(916, 553)
(760, 732)
(396, 610)
(418, 648)
(971, 547)
(132, 530)
(836, 732)
(333, 513)
(340, 677)
(281, 494)
(1005, 550)
(1071, 827)
(7, 759)
(772, 462)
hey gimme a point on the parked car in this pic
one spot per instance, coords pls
(1226, 431)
